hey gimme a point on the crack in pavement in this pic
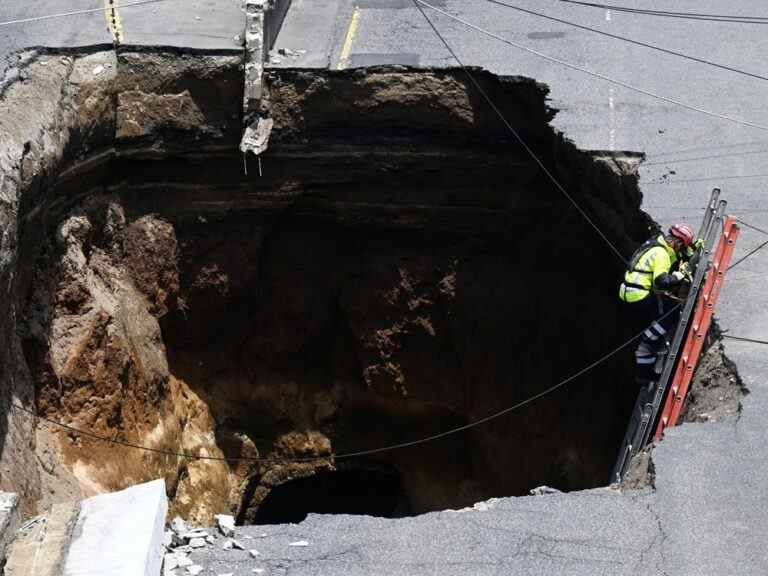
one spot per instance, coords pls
(658, 541)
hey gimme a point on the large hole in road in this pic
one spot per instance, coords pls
(396, 267)
(357, 490)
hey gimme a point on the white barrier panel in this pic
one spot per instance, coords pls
(120, 534)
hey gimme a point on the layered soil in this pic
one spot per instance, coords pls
(394, 267)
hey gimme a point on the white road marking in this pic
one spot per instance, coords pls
(611, 121)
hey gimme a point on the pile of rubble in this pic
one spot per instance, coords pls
(181, 539)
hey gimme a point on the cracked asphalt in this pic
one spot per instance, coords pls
(710, 505)
(597, 532)
(708, 513)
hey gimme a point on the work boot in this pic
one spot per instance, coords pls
(644, 383)
(645, 390)
(661, 357)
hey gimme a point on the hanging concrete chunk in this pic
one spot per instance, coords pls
(256, 136)
(120, 534)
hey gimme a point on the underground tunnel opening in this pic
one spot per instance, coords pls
(399, 268)
(348, 490)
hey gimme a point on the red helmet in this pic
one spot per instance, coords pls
(683, 232)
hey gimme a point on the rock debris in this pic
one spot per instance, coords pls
(181, 539)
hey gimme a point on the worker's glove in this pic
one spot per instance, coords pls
(685, 268)
(699, 244)
(679, 276)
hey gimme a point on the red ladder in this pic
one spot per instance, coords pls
(702, 318)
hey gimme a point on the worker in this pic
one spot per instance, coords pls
(647, 291)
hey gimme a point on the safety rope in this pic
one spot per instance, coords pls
(355, 454)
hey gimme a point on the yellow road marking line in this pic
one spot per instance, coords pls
(114, 23)
(351, 31)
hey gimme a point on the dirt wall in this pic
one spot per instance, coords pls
(398, 267)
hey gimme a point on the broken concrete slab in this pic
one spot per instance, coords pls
(120, 534)
(9, 519)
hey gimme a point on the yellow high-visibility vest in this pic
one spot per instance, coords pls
(650, 261)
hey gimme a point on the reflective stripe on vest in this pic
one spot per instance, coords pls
(638, 280)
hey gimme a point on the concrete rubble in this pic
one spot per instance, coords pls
(232, 544)
(543, 490)
(9, 519)
(181, 540)
(226, 524)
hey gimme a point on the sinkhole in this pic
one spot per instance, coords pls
(394, 267)
(361, 491)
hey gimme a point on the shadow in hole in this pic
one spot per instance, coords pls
(361, 492)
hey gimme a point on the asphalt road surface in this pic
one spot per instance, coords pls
(201, 24)
(711, 498)
(709, 512)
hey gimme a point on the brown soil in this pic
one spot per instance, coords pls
(717, 389)
(641, 472)
(384, 280)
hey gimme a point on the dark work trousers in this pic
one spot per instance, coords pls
(647, 315)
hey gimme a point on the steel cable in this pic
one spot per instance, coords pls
(705, 179)
(734, 18)
(632, 41)
(76, 12)
(748, 255)
(354, 454)
(514, 132)
(741, 338)
(593, 73)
